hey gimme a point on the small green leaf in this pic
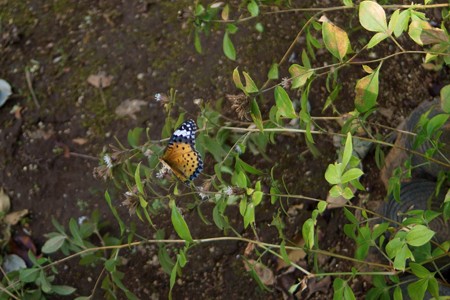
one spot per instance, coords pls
(445, 98)
(348, 150)
(333, 174)
(29, 275)
(253, 8)
(376, 39)
(255, 113)
(137, 178)
(257, 197)
(419, 235)
(134, 136)
(53, 244)
(197, 42)
(351, 174)
(259, 27)
(250, 86)
(308, 233)
(284, 103)
(321, 206)
(299, 75)
(228, 47)
(180, 224)
(372, 16)
(237, 79)
(249, 216)
(273, 72)
(63, 290)
(348, 3)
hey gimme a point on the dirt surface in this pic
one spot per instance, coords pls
(48, 153)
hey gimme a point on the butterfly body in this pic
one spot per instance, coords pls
(180, 155)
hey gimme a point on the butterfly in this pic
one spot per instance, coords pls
(181, 156)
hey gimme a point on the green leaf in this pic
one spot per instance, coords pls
(348, 3)
(333, 174)
(257, 197)
(228, 47)
(197, 42)
(367, 91)
(237, 79)
(284, 103)
(240, 179)
(299, 75)
(246, 167)
(250, 86)
(249, 216)
(376, 39)
(134, 136)
(74, 230)
(180, 225)
(273, 72)
(137, 178)
(419, 235)
(398, 293)
(372, 16)
(53, 244)
(63, 290)
(29, 275)
(321, 206)
(400, 259)
(415, 30)
(253, 8)
(308, 233)
(419, 271)
(445, 98)
(351, 175)
(335, 40)
(416, 290)
(348, 150)
(255, 113)
(436, 123)
(259, 27)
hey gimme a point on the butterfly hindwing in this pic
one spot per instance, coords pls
(180, 154)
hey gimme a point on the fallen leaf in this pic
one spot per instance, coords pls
(14, 217)
(264, 273)
(5, 202)
(100, 80)
(249, 249)
(13, 262)
(80, 141)
(130, 108)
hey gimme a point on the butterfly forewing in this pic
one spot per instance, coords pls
(180, 154)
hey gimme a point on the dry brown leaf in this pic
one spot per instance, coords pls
(249, 249)
(80, 141)
(5, 202)
(100, 80)
(264, 273)
(14, 217)
(130, 107)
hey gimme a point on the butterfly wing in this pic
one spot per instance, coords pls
(180, 154)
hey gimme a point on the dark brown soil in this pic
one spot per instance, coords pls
(47, 154)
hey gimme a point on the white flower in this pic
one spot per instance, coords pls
(286, 82)
(158, 97)
(228, 190)
(163, 171)
(108, 161)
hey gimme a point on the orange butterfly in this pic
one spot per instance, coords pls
(181, 156)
